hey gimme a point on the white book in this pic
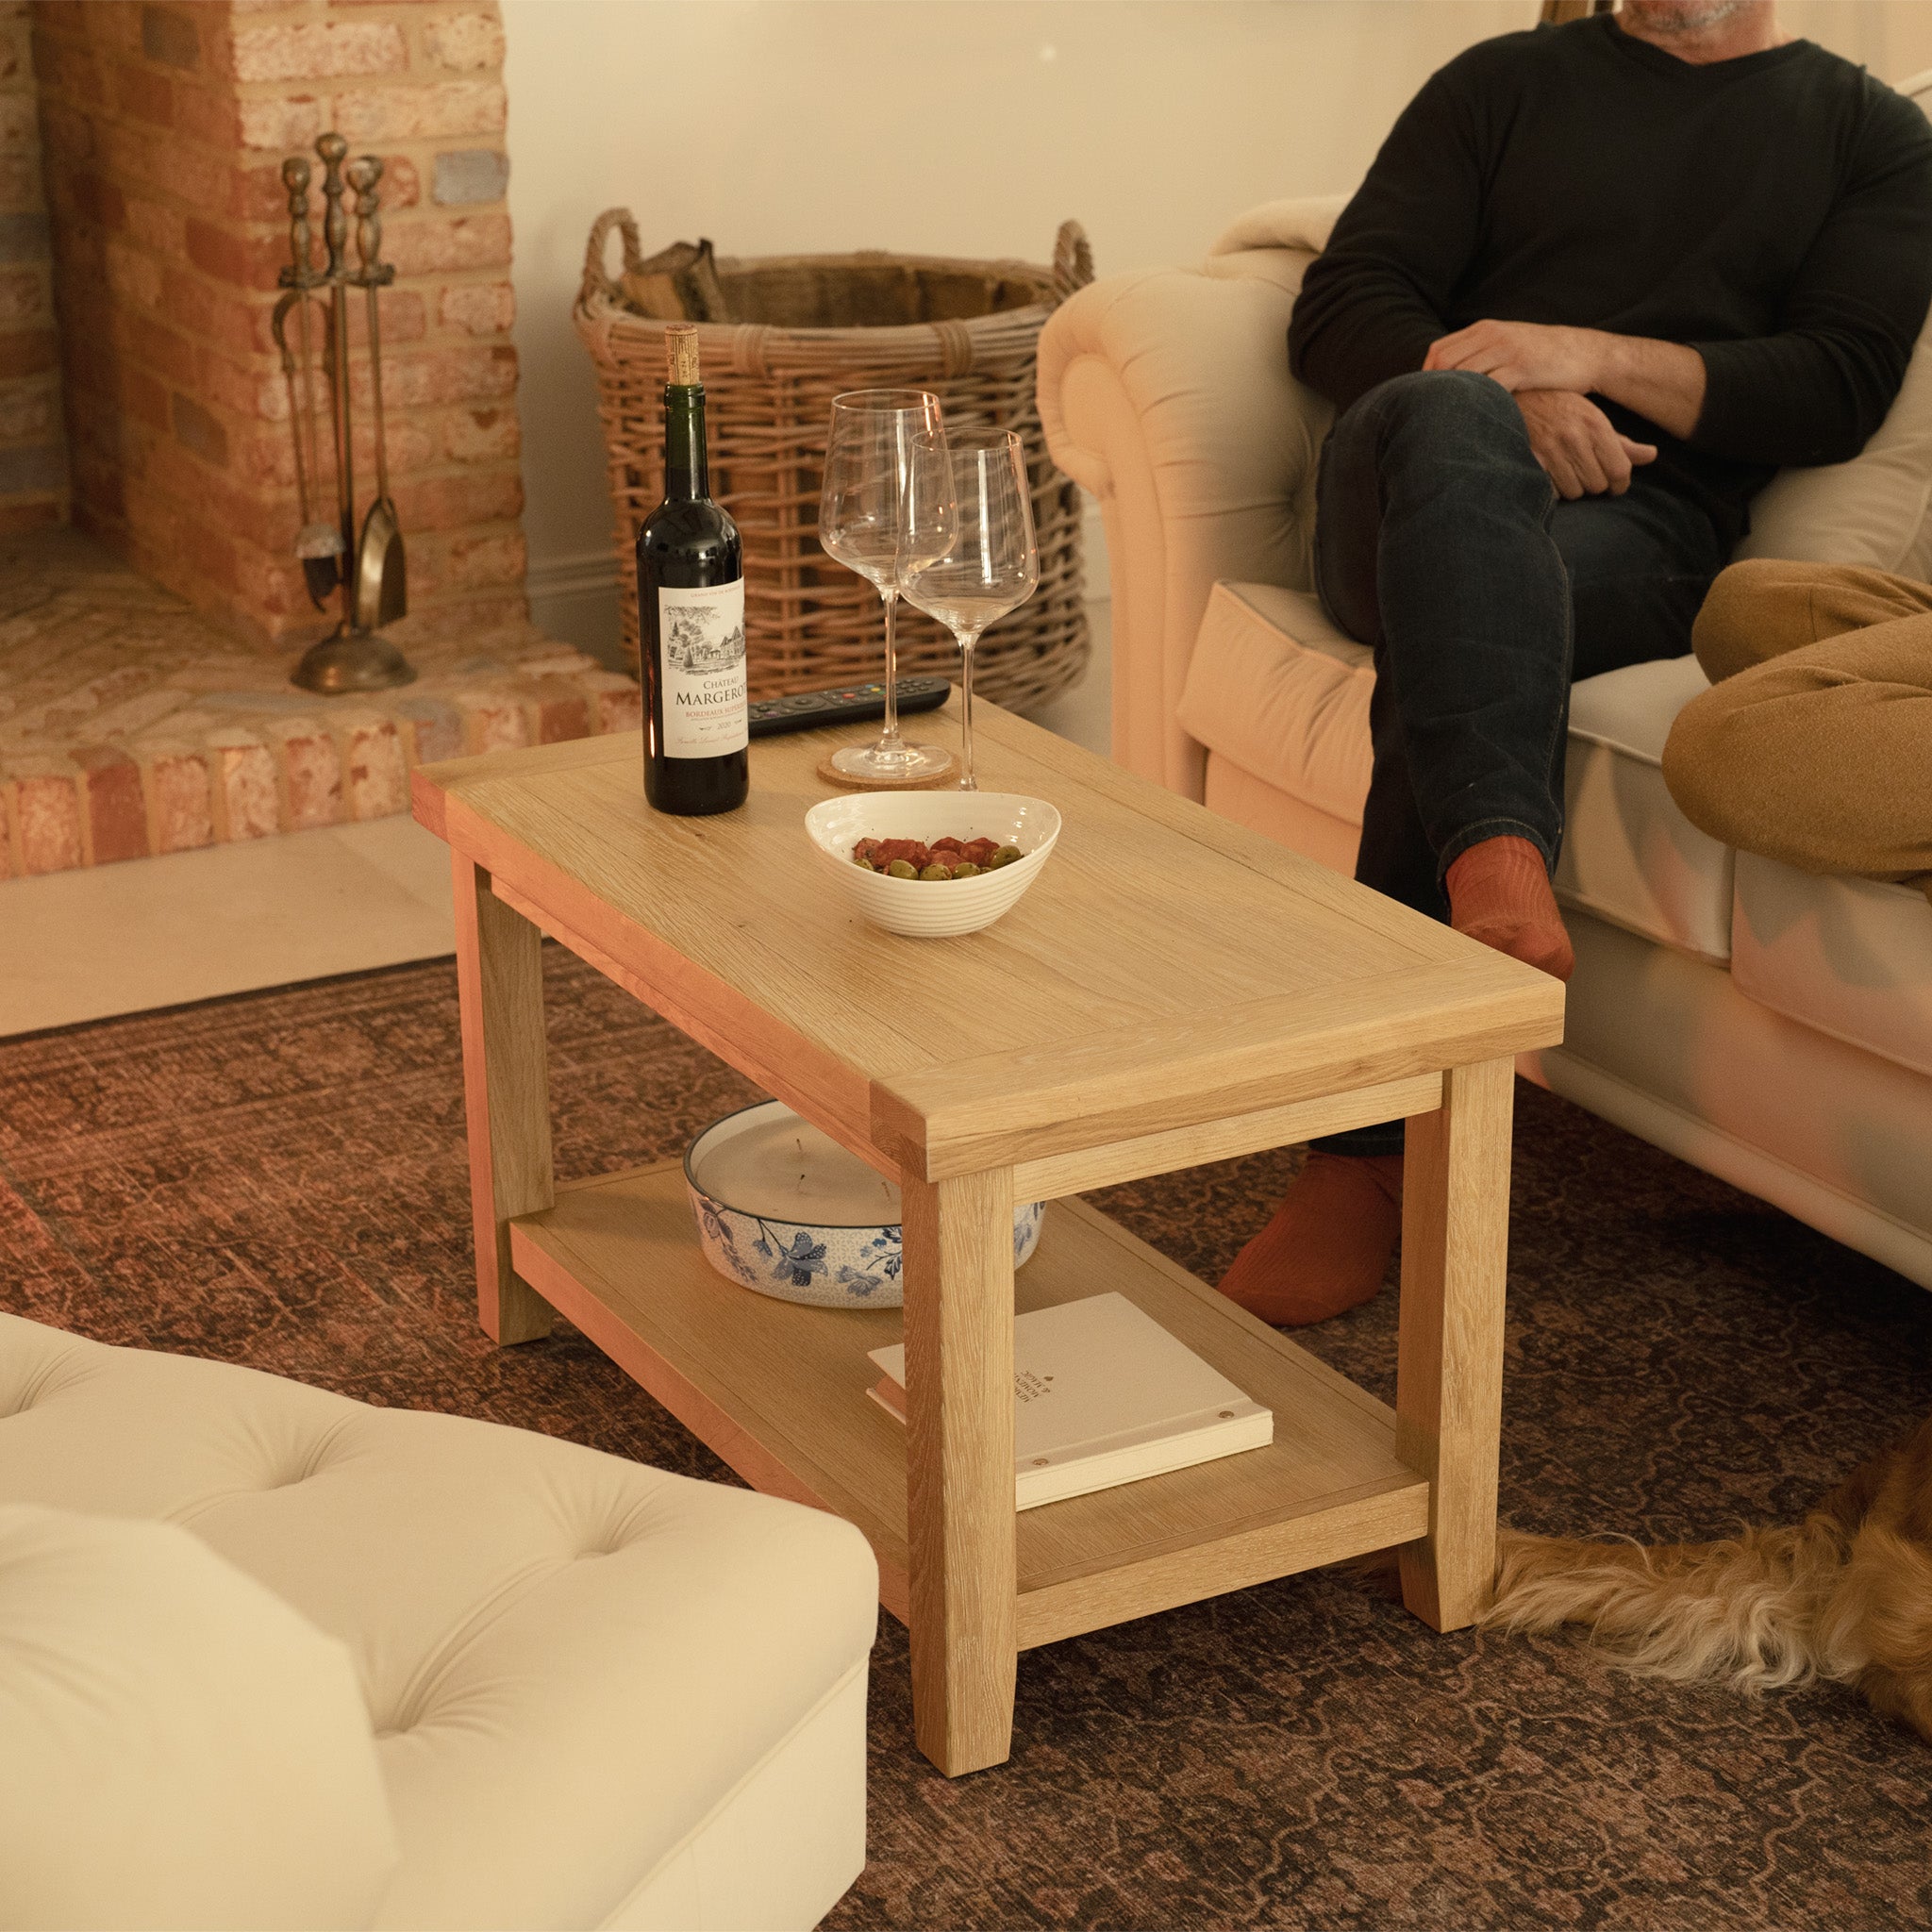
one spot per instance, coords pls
(1104, 1395)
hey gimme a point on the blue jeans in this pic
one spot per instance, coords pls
(1441, 542)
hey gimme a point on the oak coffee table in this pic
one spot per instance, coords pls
(1173, 989)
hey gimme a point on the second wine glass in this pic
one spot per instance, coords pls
(991, 563)
(883, 511)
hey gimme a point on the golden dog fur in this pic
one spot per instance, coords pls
(1847, 1595)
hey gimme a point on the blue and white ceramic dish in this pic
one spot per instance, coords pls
(828, 1265)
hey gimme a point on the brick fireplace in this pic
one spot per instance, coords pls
(132, 725)
(164, 129)
(33, 461)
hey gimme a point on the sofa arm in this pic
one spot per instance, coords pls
(1167, 395)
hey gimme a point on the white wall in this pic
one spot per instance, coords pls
(956, 126)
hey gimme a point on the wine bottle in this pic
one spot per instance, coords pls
(691, 616)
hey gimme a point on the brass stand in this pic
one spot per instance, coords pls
(353, 660)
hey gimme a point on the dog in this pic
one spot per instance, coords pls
(1845, 1596)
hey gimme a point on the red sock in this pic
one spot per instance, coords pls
(1328, 1247)
(1499, 893)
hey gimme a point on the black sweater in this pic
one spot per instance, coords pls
(1773, 211)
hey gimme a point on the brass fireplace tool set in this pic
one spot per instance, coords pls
(367, 569)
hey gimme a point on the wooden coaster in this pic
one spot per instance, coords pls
(846, 782)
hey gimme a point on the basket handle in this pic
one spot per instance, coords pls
(597, 275)
(1072, 260)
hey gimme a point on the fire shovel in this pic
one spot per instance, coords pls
(382, 586)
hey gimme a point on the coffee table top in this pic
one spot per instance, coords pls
(1167, 968)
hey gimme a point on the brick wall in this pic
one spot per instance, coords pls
(164, 128)
(33, 461)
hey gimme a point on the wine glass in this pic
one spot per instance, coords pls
(884, 508)
(992, 565)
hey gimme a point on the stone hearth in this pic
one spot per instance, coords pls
(131, 724)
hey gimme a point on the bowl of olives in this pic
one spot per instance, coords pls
(933, 864)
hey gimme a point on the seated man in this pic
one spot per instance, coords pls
(1602, 280)
(1814, 745)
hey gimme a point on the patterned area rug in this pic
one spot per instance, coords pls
(280, 1180)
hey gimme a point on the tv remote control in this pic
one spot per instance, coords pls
(806, 711)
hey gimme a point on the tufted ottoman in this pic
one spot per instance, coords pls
(599, 1695)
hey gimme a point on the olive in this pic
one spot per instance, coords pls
(1005, 856)
(902, 869)
(859, 858)
(935, 871)
(965, 870)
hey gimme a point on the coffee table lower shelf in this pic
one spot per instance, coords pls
(778, 1391)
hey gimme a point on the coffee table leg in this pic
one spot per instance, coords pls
(1449, 1367)
(506, 1094)
(959, 1466)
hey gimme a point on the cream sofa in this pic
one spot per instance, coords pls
(1769, 1025)
(272, 1658)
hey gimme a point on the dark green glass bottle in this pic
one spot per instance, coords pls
(691, 617)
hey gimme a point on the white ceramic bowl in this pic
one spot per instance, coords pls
(933, 909)
(829, 1266)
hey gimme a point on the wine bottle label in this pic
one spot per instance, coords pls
(701, 635)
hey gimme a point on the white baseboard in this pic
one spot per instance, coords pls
(574, 599)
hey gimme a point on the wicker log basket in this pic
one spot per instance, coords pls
(805, 328)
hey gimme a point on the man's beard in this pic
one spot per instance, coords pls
(1698, 18)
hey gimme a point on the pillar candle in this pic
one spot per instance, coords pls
(782, 1168)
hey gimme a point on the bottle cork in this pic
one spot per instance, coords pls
(681, 355)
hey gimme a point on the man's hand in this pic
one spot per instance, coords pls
(1663, 382)
(1578, 445)
(1524, 355)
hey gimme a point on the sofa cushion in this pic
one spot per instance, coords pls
(177, 1747)
(1849, 956)
(1275, 689)
(569, 1660)
(1240, 795)
(1276, 242)
(1629, 855)
(1871, 511)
